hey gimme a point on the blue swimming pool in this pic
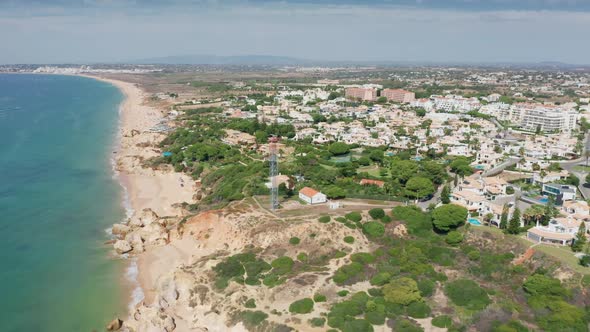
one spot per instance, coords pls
(474, 221)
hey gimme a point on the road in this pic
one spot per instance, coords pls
(501, 167)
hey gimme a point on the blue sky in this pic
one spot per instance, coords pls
(55, 31)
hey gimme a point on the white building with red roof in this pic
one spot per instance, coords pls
(312, 196)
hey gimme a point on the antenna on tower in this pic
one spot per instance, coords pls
(274, 172)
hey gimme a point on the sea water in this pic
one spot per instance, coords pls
(58, 195)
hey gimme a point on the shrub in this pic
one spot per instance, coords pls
(585, 260)
(386, 219)
(339, 254)
(418, 310)
(454, 238)
(442, 321)
(251, 303)
(377, 213)
(253, 318)
(363, 258)
(347, 272)
(402, 291)
(354, 216)
(282, 265)
(302, 257)
(294, 240)
(317, 322)
(466, 293)
(373, 229)
(380, 279)
(324, 219)
(303, 306)
(357, 325)
(405, 325)
(426, 287)
(449, 216)
(542, 285)
(349, 239)
(319, 298)
(252, 281)
(473, 255)
(343, 293)
(375, 317)
(272, 280)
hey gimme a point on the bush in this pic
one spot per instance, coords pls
(585, 260)
(375, 317)
(347, 272)
(282, 265)
(373, 229)
(294, 240)
(302, 257)
(357, 325)
(363, 258)
(253, 318)
(542, 285)
(426, 287)
(473, 255)
(317, 322)
(442, 321)
(466, 293)
(402, 291)
(349, 239)
(449, 216)
(343, 293)
(319, 298)
(418, 310)
(405, 325)
(251, 303)
(324, 219)
(303, 306)
(386, 219)
(509, 190)
(454, 238)
(376, 213)
(354, 216)
(380, 279)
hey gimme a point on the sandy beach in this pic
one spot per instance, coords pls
(158, 190)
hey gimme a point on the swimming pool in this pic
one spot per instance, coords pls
(474, 221)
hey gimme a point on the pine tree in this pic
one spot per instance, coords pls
(580, 240)
(504, 218)
(514, 225)
(444, 195)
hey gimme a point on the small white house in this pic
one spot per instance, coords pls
(312, 196)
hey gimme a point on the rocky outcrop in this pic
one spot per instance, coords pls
(120, 230)
(115, 325)
(151, 319)
(122, 247)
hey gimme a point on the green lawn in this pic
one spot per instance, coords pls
(582, 168)
(372, 170)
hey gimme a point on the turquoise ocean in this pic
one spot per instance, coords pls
(58, 196)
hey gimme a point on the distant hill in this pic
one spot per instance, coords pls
(223, 60)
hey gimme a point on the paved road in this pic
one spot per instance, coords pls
(501, 167)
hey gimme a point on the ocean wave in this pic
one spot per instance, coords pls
(137, 294)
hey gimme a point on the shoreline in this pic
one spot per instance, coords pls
(142, 188)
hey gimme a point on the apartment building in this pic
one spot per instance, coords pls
(547, 118)
(398, 95)
(368, 94)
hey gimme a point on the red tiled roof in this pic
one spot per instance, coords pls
(309, 192)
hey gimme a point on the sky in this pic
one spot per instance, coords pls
(455, 31)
